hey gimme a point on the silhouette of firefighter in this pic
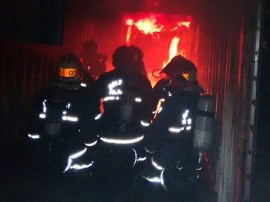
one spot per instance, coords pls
(174, 161)
(125, 95)
(62, 115)
(93, 61)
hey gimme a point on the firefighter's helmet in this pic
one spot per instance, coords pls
(127, 58)
(90, 46)
(181, 66)
(69, 68)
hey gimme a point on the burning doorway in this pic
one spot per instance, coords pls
(160, 36)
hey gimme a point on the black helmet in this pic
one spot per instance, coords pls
(69, 68)
(128, 58)
(121, 57)
(90, 46)
(181, 66)
(136, 53)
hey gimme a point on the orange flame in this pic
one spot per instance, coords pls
(160, 28)
(128, 35)
(154, 23)
(173, 47)
(173, 50)
(129, 22)
(184, 23)
(148, 25)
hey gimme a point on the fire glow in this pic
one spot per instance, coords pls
(173, 50)
(154, 23)
(148, 25)
(167, 32)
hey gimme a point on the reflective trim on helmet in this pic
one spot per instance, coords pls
(68, 72)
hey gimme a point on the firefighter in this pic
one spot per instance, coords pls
(62, 119)
(94, 62)
(173, 160)
(127, 80)
(125, 95)
(179, 74)
(177, 90)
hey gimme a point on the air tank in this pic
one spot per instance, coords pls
(205, 123)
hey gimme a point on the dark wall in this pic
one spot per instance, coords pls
(31, 36)
(25, 70)
(264, 91)
(32, 21)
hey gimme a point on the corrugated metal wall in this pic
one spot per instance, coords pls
(225, 62)
(24, 71)
(78, 25)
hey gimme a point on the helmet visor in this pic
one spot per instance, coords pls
(68, 72)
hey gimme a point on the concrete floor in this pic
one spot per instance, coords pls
(260, 184)
(19, 183)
